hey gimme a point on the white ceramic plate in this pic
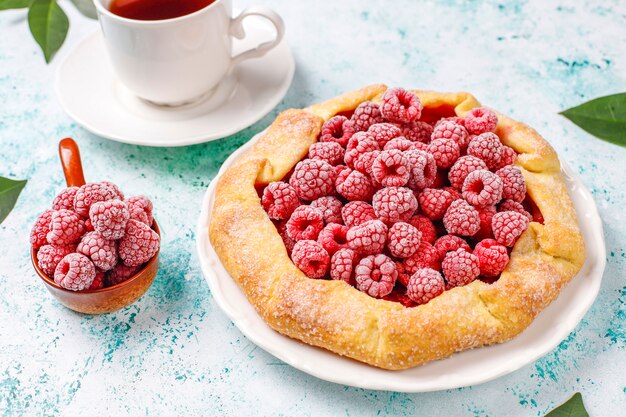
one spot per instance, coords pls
(465, 368)
(90, 94)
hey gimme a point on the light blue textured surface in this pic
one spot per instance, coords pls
(174, 352)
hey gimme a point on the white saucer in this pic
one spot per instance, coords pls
(462, 369)
(91, 95)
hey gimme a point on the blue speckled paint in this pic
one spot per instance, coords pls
(174, 352)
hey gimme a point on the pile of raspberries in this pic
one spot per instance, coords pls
(93, 237)
(401, 208)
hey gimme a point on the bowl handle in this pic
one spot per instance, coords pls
(70, 160)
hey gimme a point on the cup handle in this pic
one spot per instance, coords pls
(236, 30)
(70, 160)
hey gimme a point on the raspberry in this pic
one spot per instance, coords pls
(49, 256)
(92, 193)
(40, 229)
(114, 189)
(445, 152)
(403, 240)
(109, 218)
(333, 237)
(330, 207)
(364, 162)
(102, 252)
(313, 179)
(507, 157)
(338, 169)
(403, 275)
(98, 281)
(120, 274)
(384, 132)
(354, 186)
(391, 168)
(513, 184)
(311, 258)
(65, 199)
(459, 121)
(450, 243)
(376, 275)
(493, 258)
(423, 169)
(460, 267)
(424, 285)
(358, 145)
(401, 144)
(510, 205)
(434, 202)
(451, 130)
(365, 115)
(357, 212)
(425, 257)
(66, 227)
(416, 131)
(139, 244)
(508, 226)
(461, 219)
(400, 106)
(279, 200)
(394, 204)
(367, 238)
(461, 169)
(281, 228)
(140, 209)
(481, 120)
(342, 265)
(330, 152)
(305, 223)
(75, 272)
(486, 215)
(487, 147)
(482, 188)
(337, 129)
(425, 226)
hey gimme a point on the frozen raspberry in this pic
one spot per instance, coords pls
(510, 205)
(391, 168)
(403, 275)
(450, 243)
(66, 227)
(445, 152)
(425, 257)
(354, 186)
(139, 244)
(338, 169)
(281, 228)
(482, 188)
(513, 184)
(92, 193)
(376, 275)
(65, 199)
(114, 190)
(364, 162)
(368, 238)
(507, 157)
(49, 256)
(384, 132)
(101, 251)
(342, 265)
(365, 115)
(330, 152)
(279, 200)
(453, 131)
(330, 207)
(493, 257)
(394, 204)
(434, 202)
(481, 120)
(461, 219)
(119, 274)
(333, 237)
(403, 240)
(485, 214)
(98, 281)
(423, 169)
(357, 212)
(109, 218)
(416, 131)
(337, 129)
(425, 226)
(461, 169)
(140, 209)
(508, 226)
(487, 147)
(400, 106)
(313, 179)
(401, 144)
(40, 229)
(360, 143)
(311, 258)
(424, 285)
(75, 272)
(460, 267)
(305, 223)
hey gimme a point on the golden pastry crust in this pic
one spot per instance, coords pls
(336, 316)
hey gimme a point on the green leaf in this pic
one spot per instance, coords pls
(603, 117)
(86, 8)
(48, 24)
(573, 407)
(9, 192)
(14, 4)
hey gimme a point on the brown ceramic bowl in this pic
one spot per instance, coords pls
(105, 299)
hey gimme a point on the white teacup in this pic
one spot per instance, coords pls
(180, 60)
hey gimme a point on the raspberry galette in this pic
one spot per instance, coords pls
(397, 227)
